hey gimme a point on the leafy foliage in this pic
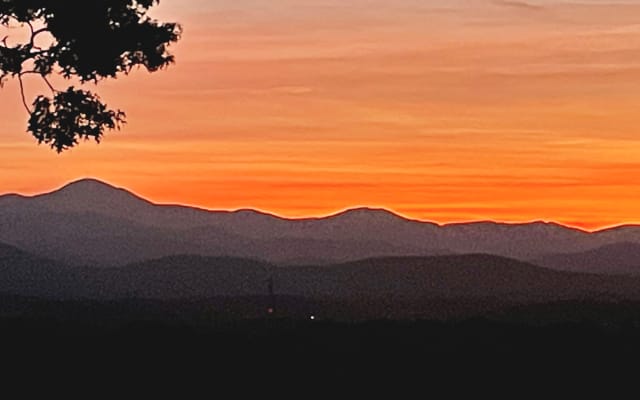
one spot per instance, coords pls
(70, 115)
(89, 41)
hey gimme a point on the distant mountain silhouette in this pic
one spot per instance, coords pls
(617, 258)
(522, 241)
(90, 196)
(89, 222)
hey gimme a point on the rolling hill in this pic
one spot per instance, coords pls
(617, 258)
(389, 287)
(23, 274)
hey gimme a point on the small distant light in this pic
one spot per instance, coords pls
(313, 317)
(270, 310)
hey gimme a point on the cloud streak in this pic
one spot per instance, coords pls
(519, 5)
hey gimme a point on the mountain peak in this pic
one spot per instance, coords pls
(90, 195)
(87, 184)
(367, 213)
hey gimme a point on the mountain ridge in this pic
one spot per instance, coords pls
(96, 183)
(92, 222)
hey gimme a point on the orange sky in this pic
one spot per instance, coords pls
(440, 110)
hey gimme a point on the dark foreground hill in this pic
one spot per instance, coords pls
(184, 323)
(471, 275)
(397, 288)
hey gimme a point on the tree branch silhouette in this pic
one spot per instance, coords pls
(24, 98)
(88, 41)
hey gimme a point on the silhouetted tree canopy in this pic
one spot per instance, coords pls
(87, 40)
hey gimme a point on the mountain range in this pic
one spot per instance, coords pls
(92, 241)
(91, 223)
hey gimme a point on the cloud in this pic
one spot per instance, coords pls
(519, 4)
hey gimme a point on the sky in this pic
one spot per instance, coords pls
(444, 111)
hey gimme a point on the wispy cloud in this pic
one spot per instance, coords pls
(519, 4)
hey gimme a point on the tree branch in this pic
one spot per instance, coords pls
(24, 99)
(35, 33)
(30, 28)
(110, 44)
(44, 77)
(53, 90)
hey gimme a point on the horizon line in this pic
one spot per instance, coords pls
(332, 213)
